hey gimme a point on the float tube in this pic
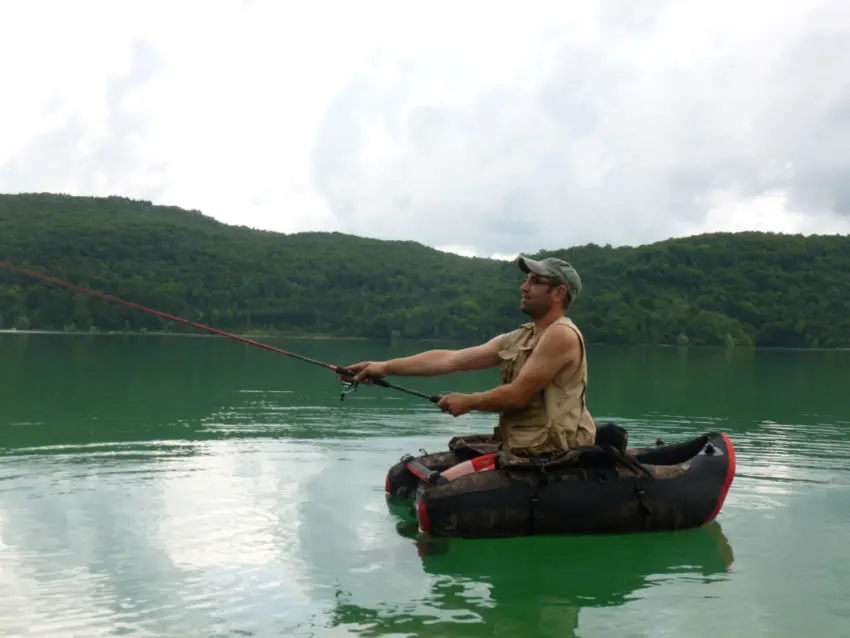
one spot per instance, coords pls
(604, 488)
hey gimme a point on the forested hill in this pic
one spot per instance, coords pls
(746, 288)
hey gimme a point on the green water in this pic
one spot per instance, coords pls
(176, 486)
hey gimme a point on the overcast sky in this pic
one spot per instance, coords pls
(476, 127)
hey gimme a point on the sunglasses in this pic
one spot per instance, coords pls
(537, 280)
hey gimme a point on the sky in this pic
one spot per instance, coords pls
(480, 128)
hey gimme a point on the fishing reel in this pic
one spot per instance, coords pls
(348, 386)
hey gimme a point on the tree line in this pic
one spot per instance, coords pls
(749, 288)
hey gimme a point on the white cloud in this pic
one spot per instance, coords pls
(487, 129)
(769, 211)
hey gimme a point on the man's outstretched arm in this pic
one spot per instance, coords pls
(433, 362)
(557, 348)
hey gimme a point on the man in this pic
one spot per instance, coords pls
(541, 401)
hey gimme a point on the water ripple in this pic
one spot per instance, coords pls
(277, 524)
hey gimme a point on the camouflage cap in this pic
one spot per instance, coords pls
(554, 268)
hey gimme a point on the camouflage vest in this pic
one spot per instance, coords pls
(556, 418)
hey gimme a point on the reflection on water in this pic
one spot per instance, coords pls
(484, 582)
(209, 493)
(290, 535)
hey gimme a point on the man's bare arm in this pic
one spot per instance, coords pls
(559, 347)
(435, 362)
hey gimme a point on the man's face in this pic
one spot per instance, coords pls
(539, 294)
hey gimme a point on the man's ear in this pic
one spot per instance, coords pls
(565, 296)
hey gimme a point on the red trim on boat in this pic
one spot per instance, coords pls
(417, 473)
(727, 482)
(484, 462)
(387, 483)
(422, 517)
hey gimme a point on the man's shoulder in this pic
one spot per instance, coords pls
(570, 325)
(561, 334)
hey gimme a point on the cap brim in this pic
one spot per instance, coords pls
(529, 265)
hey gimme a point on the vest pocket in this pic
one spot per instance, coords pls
(507, 364)
(528, 437)
(509, 355)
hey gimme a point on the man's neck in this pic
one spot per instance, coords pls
(548, 319)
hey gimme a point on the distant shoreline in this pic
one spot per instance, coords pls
(163, 333)
(705, 289)
(244, 335)
(321, 337)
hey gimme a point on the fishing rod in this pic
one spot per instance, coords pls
(349, 382)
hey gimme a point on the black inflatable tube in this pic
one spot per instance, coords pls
(594, 500)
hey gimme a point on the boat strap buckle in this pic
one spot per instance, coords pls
(640, 490)
(419, 470)
(542, 461)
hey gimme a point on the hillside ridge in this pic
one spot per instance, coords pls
(746, 288)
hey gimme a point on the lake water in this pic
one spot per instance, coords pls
(177, 486)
